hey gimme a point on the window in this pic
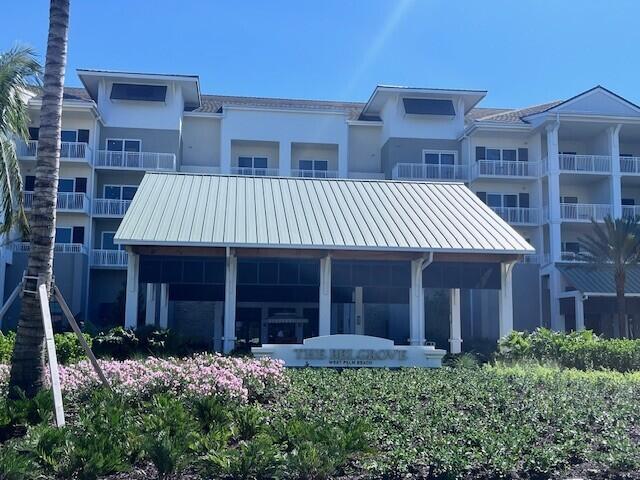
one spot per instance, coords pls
(628, 201)
(141, 93)
(505, 154)
(428, 106)
(494, 200)
(573, 247)
(29, 183)
(69, 136)
(493, 154)
(34, 133)
(506, 200)
(108, 243)
(66, 185)
(569, 199)
(63, 234)
(120, 192)
(253, 162)
(315, 165)
(509, 155)
(437, 157)
(123, 145)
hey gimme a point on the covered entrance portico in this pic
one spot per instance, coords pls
(340, 263)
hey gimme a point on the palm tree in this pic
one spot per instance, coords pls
(19, 72)
(617, 243)
(27, 363)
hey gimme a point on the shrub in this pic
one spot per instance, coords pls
(117, 343)
(68, 348)
(6, 346)
(582, 350)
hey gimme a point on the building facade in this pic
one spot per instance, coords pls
(547, 170)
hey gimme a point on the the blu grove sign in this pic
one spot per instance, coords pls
(342, 351)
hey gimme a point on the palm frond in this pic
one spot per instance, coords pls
(616, 242)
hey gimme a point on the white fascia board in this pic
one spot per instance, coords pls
(140, 76)
(602, 294)
(496, 127)
(72, 106)
(283, 110)
(580, 117)
(203, 114)
(322, 247)
(364, 123)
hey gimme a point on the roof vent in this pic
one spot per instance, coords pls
(428, 106)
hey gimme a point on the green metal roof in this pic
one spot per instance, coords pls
(598, 279)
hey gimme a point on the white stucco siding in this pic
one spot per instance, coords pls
(364, 149)
(201, 142)
(314, 151)
(502, 141)
(243, 148)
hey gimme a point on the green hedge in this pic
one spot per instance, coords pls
(582, 350)
(68, 348)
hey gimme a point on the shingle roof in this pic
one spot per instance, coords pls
(599, 279)
(70, 93)
(262, 212)
(516, 115)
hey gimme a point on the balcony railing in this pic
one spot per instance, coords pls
(315, 173)
(572, 257)
(518, 215)
(498, 168)
(107, 207)
(630, 165)
(427, 171)
(24, 247)
(584, 212)
(136, 160)
(632, 211)
(255, 172)
(585, 163)
(69, 151)
(109, 258)
(67, 201)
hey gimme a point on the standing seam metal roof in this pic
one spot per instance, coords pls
(240, 211)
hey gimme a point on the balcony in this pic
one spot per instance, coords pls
(24, 247)
(107, 207)
(255, 172)
(632, 211)
(584, 212)
(518, 215)
(66, 202)
(109, 258)
(315, 173)
(584, 163)
(509, 169)
(427, 171)
(573, 257)
(630, 165)
(136, 160)
(69, 151)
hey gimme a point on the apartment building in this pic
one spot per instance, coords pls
(546, 170)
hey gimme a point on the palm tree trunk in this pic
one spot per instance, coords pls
(620, 279)
(27, 365)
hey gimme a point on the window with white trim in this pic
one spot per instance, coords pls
(504, 200)
(120, 192)
(314, 165)
(107, 242)
(253, 161)
(439, 157)
(123, 145)
(502, 154)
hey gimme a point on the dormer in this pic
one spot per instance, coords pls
(421, 112)
(141, 100)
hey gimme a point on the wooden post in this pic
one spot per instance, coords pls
(51, 353)
(81, 339)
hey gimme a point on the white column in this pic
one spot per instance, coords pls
(555, 288)
(455, 330)
(324, 302)
(416, 305)
(505, 300)
(358, 322)
(343, 153)
(284, 158)
(150, 315)
(231, 275)
(553, 201)
(217, 326)
(616, 178)
(131, 304)
(164, 306)
(579, 312)
(225, 152)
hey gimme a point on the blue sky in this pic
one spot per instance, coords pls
(522, 51)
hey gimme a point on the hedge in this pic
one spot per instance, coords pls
(68, 348)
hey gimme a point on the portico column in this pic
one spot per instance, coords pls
(505, 299)
(164, 306)
(343, 154)
(150, 314)
(284, 158)
(579, 312)
(131, 303)
(555, 288)
(217, 326)
(616, 178)
(324, 302)
(231, 275)
(416, 304)
(455, 333)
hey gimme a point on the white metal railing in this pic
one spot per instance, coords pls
(519, 215)
(110, 207)
(315, 173)
(584, 212)
(69, 151)
(632, 211)
(630, 165)
(571, 257)
(136, 160)
(535, 259)
(585, 163)
(109, 258)
(71, 201)
(58, 248)
(498, 168)
(255, 172)
(427, 171)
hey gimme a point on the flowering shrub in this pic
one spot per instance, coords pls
(202, 375)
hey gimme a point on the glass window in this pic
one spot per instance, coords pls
(245, 162)
(132, 145)
(63, 235)
(493, 154)
(494, 200)
(306, 164)
(66, 185)
(107, 241)
(112, 192)
(628, 201)
(115, 145)
(569, 200)
(432, 158)
(69, 135)
(142, 93)
(510, 201)
(509, 155)
(260, 162)
(447, 158)
(128, 192)
(320, 165)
